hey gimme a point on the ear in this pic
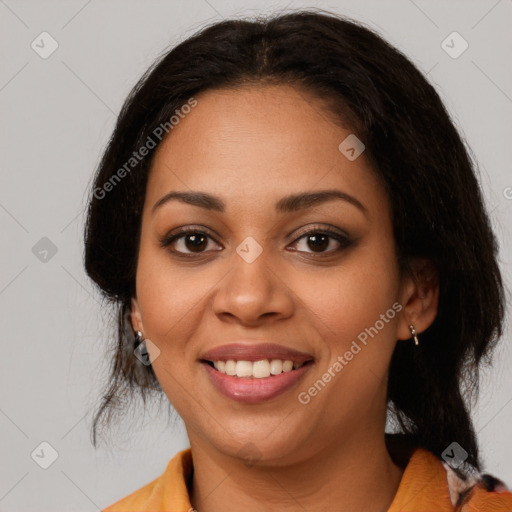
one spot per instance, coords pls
(136, 316)
(419, 297)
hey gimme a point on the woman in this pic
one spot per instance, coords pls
(291, 229)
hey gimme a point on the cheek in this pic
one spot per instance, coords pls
(355, 310)
(171, 303)
(170, 298)
(351, 297)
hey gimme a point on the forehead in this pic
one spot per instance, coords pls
(259, 141)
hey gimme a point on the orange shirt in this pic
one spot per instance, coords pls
(427, 485)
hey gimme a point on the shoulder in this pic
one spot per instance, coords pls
(136, 500)
(167, 492)
(481, 491)
(430, 483)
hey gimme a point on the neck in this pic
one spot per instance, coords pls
(351, 476)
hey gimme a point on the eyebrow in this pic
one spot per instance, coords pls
(291, 203)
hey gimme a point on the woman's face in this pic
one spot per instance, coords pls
(259, 268)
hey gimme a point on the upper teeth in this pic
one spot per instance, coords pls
(256, 369)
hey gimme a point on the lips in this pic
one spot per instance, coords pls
(241, 352)
(254, 388)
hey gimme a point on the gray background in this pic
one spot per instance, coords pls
(56, 117)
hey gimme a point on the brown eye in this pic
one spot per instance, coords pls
(190, 242)
(318, 242)
(195, 242)
(187, 242)
(325, 241)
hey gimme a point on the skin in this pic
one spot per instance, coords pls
(251, 147)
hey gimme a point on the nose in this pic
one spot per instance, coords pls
(253, 293)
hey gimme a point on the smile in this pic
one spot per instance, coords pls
(256, 369)
(250, 389)
(254, 373)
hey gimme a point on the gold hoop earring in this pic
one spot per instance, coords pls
(414, 335)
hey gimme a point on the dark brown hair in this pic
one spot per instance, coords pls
(438, 209)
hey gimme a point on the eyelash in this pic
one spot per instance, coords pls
(343, 240)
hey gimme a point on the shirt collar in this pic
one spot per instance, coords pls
(423, 483)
